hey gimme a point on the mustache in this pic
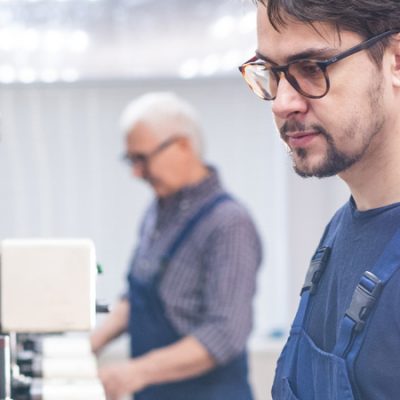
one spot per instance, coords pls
(296, 126)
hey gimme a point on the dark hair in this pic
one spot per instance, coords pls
(365, 17)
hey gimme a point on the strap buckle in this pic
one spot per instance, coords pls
(364, 297)
(316, 268)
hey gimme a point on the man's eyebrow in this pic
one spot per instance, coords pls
(308, 54)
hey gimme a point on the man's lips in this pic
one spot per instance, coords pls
(300, 139)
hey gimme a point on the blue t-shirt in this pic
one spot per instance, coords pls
(360, 240)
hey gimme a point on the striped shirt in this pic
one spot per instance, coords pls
(208, 287)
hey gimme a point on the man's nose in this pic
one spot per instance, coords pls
(138, 170)
(288, 100)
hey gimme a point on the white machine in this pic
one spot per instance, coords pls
(48, 287)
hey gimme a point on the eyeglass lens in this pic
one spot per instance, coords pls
(142, 159)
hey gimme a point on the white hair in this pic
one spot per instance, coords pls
(159, 109)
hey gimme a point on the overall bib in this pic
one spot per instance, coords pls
(150, 329)
(304, 371)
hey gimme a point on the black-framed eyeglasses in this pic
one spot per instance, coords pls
(143, 158)
(307, 76)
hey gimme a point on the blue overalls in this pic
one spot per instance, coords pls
(150, 329)
(304, 371)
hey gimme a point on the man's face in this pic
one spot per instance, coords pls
(330, 135)
(161, 165)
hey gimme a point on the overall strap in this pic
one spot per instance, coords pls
(191, 224)
(315, 271)
(352, 330)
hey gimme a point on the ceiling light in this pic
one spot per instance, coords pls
(247, 23)
(7, 74)
(69, 75)
(26, 75)
(49, 75)
(189, 69)
(6, 39)
(210, 65)
(53, 40)
(29, 40)
(78, 41)
(223, 27)
(231, 60)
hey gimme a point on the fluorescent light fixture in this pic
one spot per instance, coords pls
(27, 75)
(223, 27)
(49, 75)
(210, 65)
(247, 23)
(78, 41)
(189, 69)
(7, 74)
(69, 75)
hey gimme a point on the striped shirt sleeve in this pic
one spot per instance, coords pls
(231, 259)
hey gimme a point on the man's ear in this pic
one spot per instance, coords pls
(185, 142)
(395, 52)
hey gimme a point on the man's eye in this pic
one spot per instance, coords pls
(308, 69)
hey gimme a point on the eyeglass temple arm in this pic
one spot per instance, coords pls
(362, 46)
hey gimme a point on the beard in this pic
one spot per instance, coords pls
(336, 160)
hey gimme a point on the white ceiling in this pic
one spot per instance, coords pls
(69, 40)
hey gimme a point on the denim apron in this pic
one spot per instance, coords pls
(304, 371)
(150, 329)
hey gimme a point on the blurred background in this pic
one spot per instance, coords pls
(67, 68)
(80, 40)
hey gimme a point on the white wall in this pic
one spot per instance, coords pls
(61, 176)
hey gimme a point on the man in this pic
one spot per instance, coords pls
(188, 307)
(332, 72)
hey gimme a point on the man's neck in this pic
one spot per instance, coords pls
(197, 174)
(375, 181)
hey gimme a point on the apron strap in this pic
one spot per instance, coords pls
(353, 327)
(190, 226)
(315, 271)
(320, 260)
(313, 276)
